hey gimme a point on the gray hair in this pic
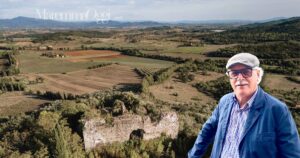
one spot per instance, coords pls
(261, 73)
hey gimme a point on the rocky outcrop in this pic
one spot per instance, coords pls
(97, 132)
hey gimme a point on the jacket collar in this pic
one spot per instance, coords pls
(259, 100)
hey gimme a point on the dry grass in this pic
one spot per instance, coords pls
(199, 77)
(91, 59)
(33, 62)
(14, 103)
(274, 81)
(2, 62)
(87, 81)
(92, 53)
(174, 91)
(88, 55)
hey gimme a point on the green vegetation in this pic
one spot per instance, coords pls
(144, 72)
(137, 53)
(274, 50)
(283, 30)
(9, 84)
(157, 77)
(198, 50)
(55, 95)
(135, 148)
(294, 79)
(51, 137)
(290, 97)
(184, 75)
(99, 65)
(63, 35)
(58, 128)
(276, 57)
(10, 66)
(216, 88)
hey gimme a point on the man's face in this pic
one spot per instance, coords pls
(245, 81)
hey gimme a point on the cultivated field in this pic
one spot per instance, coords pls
(33, 62)
(87, 81)
(88, 55)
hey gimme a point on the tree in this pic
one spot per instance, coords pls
(48, 120)
(61, 147)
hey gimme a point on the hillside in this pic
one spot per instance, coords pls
(278, 30)
(25, 22)
(283, 25)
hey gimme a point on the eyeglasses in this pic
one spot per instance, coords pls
(233, 74)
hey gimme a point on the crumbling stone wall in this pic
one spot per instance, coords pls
(97, 132)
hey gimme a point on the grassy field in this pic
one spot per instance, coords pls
(153, 45)
(33, 62)
(86, 81)
(187, 52)
(14, 103)
(175, 91)
(275, 81)
(197, 50)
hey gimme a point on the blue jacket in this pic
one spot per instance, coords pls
(270, 130)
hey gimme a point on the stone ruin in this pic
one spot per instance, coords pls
(97, 132)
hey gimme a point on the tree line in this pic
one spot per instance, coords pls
(10, 67)
(7, 84)
(274, 50)
(278, 57)
(138, 53)
(283, 30)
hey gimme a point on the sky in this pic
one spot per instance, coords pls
(155, 10)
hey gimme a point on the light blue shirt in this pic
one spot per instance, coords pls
(235, 128)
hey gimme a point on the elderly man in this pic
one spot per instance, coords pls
(248, 122)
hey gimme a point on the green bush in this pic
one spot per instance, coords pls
(216, 88)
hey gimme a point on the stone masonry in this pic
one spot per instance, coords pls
(96, 132)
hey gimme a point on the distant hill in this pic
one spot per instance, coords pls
(241, 22)
(264, 25)
(282, 25)
(271, 31)
(25, 22)
(272, 19)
